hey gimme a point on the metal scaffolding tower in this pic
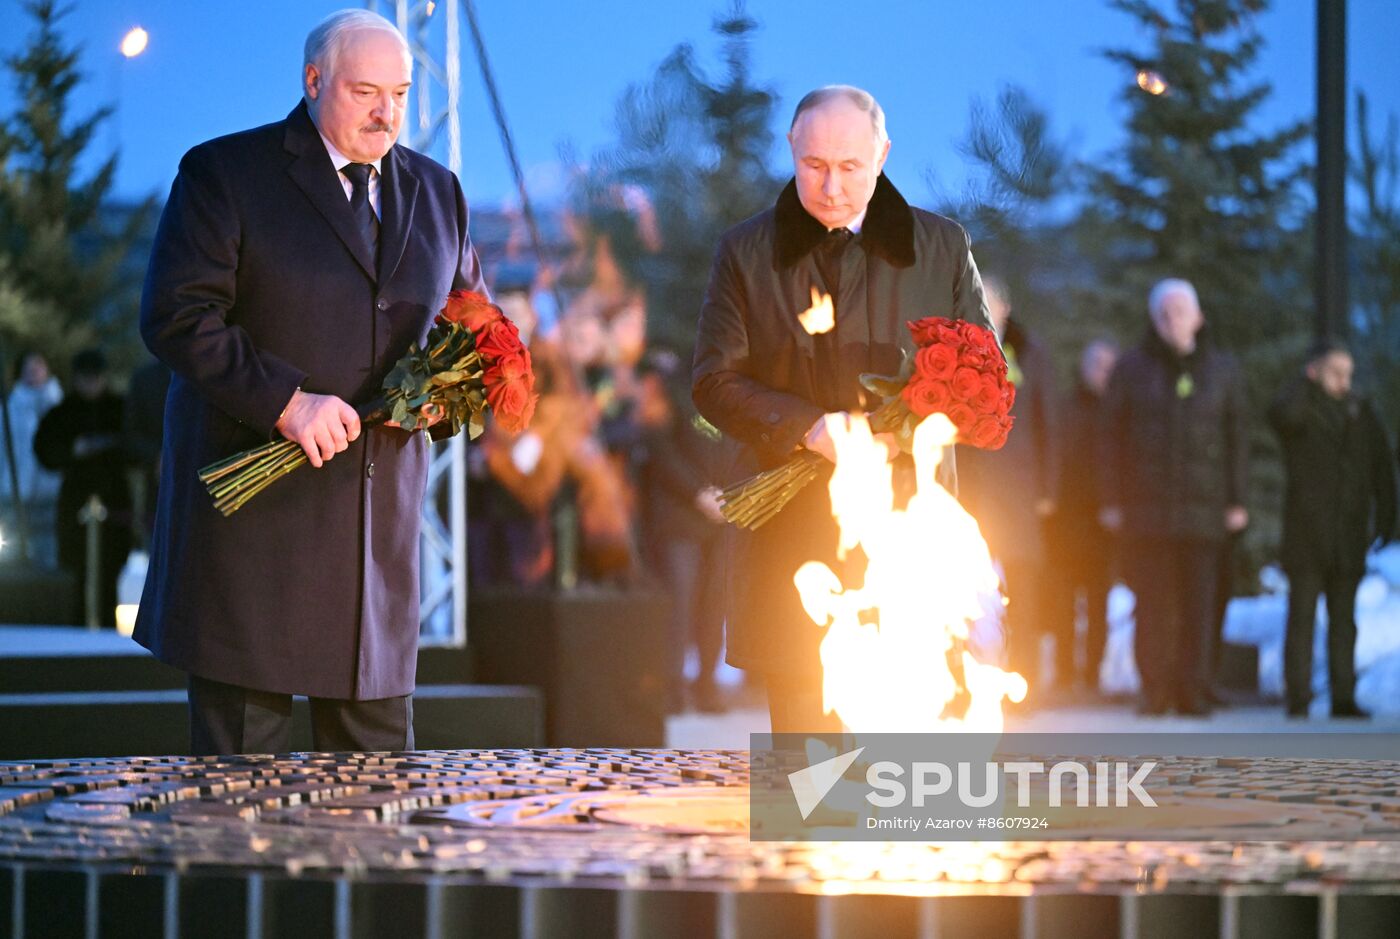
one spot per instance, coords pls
(431, 26)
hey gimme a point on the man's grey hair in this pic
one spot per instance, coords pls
(862, 99)
(1166, 288)
(327, 38)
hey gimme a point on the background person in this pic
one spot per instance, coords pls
(1080, 550)
(82, 439)
(34, 393)
(1339, 499)
(1173, 472)
(1011, 492)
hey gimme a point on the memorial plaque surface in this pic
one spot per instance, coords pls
(644, 818)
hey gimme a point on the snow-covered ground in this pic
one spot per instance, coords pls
(1259, 621)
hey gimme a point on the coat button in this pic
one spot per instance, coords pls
(381, 304)
(369, 471)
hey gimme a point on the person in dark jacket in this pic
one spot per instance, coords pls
(1173, 472)
(1079, 547)
(682, 533)
(82, 438)
(767, 384)
(1338, 501)
(1011, 491)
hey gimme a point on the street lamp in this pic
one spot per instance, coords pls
(1151, 82)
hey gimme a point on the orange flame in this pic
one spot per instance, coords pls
(929, 570)
(820, 317)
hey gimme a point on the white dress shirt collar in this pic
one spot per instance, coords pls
(853, 225)
(340, 160)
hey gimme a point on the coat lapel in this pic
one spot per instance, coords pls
(312, 171)
(398, 190)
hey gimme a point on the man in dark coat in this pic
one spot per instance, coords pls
(682, 529)
(293, 265)
(82, 438)
(1339, 499)
(1011, 491)
(1173, 470)
(1079, 548)
(763, 381)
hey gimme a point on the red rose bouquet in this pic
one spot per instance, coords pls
(958, 370)
(472, 360)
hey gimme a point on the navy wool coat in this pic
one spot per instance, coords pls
(259, 284)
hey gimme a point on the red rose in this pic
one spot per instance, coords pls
(511, 367)
(966, 383)
(990, 395)
(936, 362)
(470, 309)
(512, 404)
(973, 356)
(925, 331)
(962, 417)
(989, 433)
(925, 397)
(498, 339)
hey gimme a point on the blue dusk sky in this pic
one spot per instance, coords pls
(216, 66)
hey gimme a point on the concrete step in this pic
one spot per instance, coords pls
(155, 722)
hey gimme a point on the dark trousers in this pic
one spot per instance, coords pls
(693, 571)
(1026, 621)
(226, 719)
(1174, 581)
(1080, 569)
(1304, 587)
(795, 705)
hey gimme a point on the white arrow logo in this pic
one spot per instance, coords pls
(811, 785)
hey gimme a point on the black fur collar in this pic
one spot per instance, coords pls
(888, 230)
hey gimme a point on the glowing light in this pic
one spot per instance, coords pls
(929, 576)
(1151, 82)
(126, 618)
(820, 317)
(134, 42)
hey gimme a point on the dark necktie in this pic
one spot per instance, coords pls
(358, 174)
(828, 255)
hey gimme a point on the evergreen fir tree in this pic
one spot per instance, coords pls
(1020, 212)
(60, 245)
(698, 147)
(1197, 192)
(1376, 270)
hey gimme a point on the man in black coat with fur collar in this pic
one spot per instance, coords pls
(841, 227)
(1339, 499)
